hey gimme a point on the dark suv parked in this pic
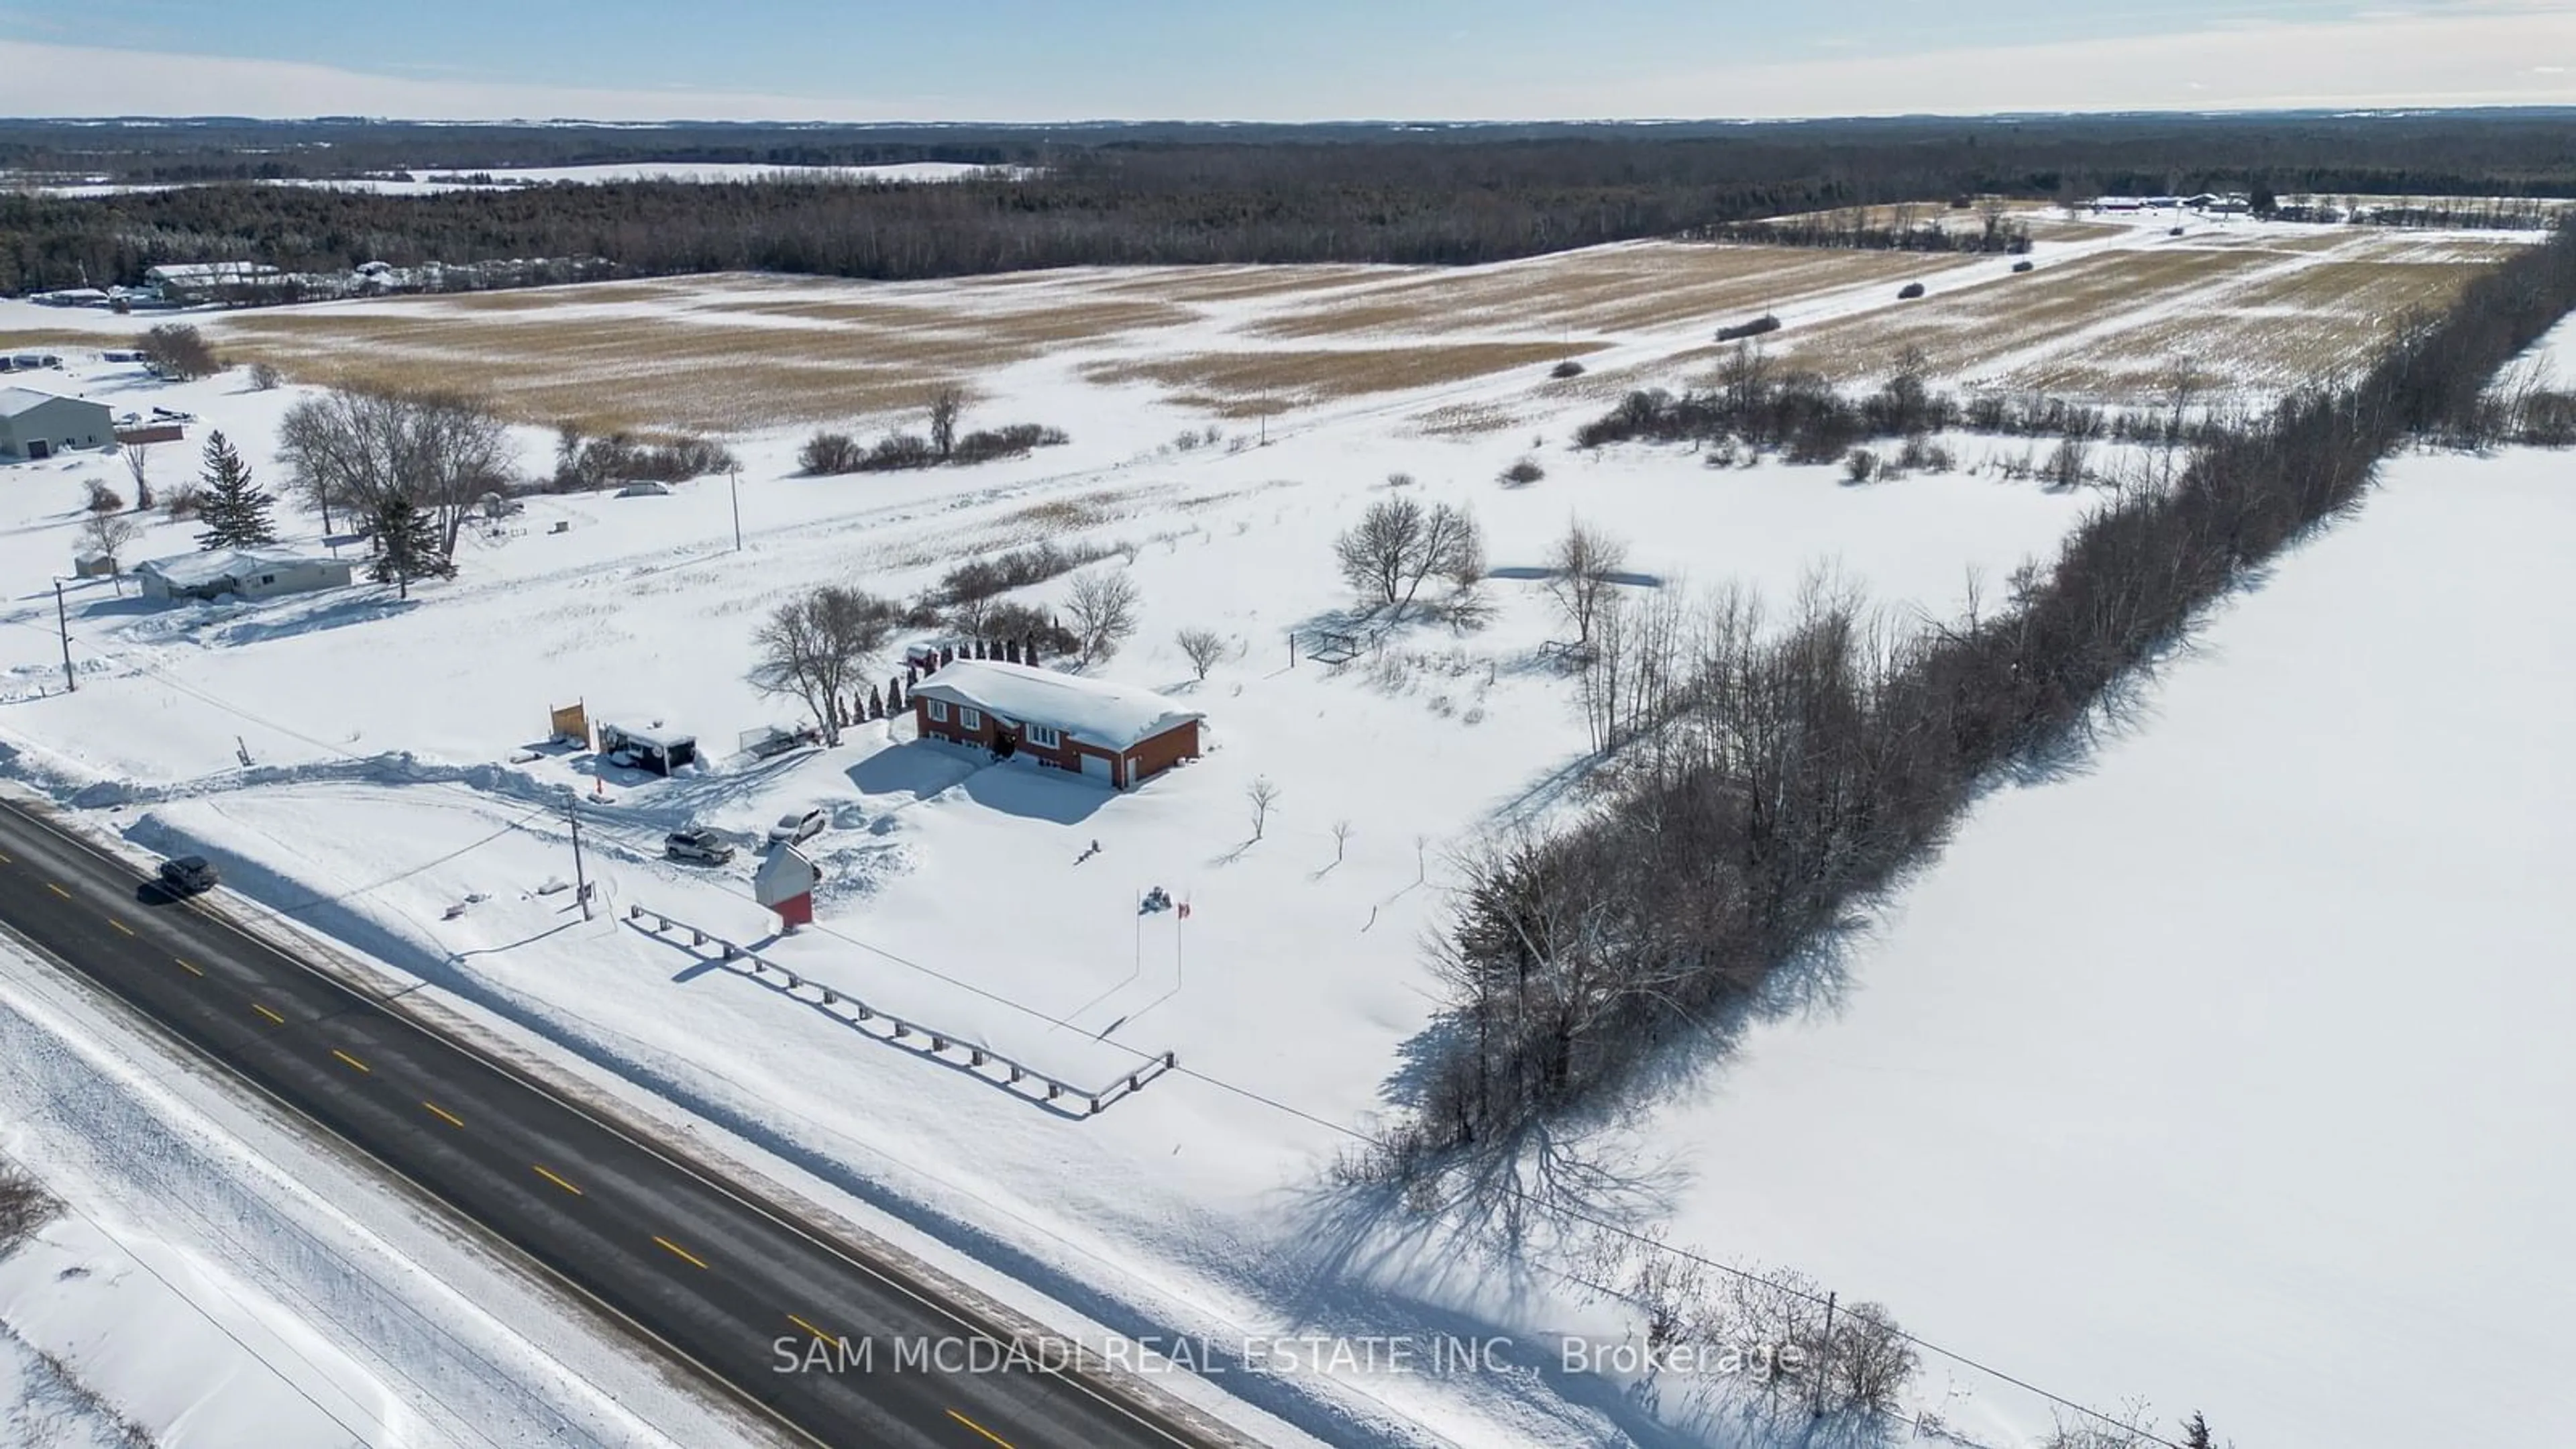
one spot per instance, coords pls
(704, 846)
(187, 875)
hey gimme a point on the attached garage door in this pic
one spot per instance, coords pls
(1095, 767)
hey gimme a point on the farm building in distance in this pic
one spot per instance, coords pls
(1113, 733)
(246, 573)
(37, 425)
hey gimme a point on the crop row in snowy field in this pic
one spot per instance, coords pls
(2105, 315)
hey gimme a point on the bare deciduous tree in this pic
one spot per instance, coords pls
(1261, 794)
(138, 464)
(352, 449)
(1202, 647)
(1103, 609)
(1341, 840)
(947, 406)
(1579, 574)
(24, 1207)
(107, 534)
(1398, 544)
(177, 350)
(812, 648)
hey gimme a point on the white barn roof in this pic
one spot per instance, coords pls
(17, 400)
(197, 570)
(1112, 716)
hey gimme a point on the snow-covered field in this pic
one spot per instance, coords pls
(2022, 1131)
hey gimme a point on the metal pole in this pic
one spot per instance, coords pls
(1825, 1353)
(581, 882)
(735, 474)
(62, 622)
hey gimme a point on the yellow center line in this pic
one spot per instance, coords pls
(120, 925)
(58, 890)
(557, 1181)
(271, 1015)
(809, 1328)
(188, 966)
(683, 1254)
(980, 1429)
(353, 1061)
(8, 860)
(443, 1115)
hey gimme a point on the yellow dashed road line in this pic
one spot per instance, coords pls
(188, 966)
(58, 890)
(557, 1181)
(353, 1061)
(120, 925)
(809, 1328)
(443, 1115)
(271, 1015)
(980, 1429)
(683, 1254)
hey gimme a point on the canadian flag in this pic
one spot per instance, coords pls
(1185, 910)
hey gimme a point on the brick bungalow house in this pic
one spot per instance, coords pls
(1112, 733)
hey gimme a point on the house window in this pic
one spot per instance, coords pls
(1045, 738)
(938, 711)
(970, 719)
(268, 578)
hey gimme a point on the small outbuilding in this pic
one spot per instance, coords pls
(245, 573)
(1114, 733)
(37, 425)
(652, 747)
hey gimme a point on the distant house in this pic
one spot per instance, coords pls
(1113, 733)
(247, 573)
(36, 425)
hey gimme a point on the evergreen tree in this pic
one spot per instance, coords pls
(2195, 1433)
(876, 703)
(231, 506)
(406, 544)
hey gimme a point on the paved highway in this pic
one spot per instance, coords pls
(717, 1277)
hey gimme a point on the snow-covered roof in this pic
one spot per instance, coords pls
(16, 400)
(197, 570)
(652, 737)
(1112, 716)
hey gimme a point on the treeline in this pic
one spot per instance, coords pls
(1858, 229)
(1112, 195)
(1769, 775)
(1764, 407)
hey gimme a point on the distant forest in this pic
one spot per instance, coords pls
(1123, 194)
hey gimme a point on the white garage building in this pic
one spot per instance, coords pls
(36, 425)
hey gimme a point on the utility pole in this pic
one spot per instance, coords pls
(1826, 1355)
(735, 474)
(62, 622)
(581, 882)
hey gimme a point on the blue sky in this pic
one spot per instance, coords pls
(1027, 59)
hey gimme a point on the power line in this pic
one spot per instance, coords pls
(1247, 1093)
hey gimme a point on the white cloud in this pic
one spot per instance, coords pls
(2510, 54)
(67, 80)
(2511, 58)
